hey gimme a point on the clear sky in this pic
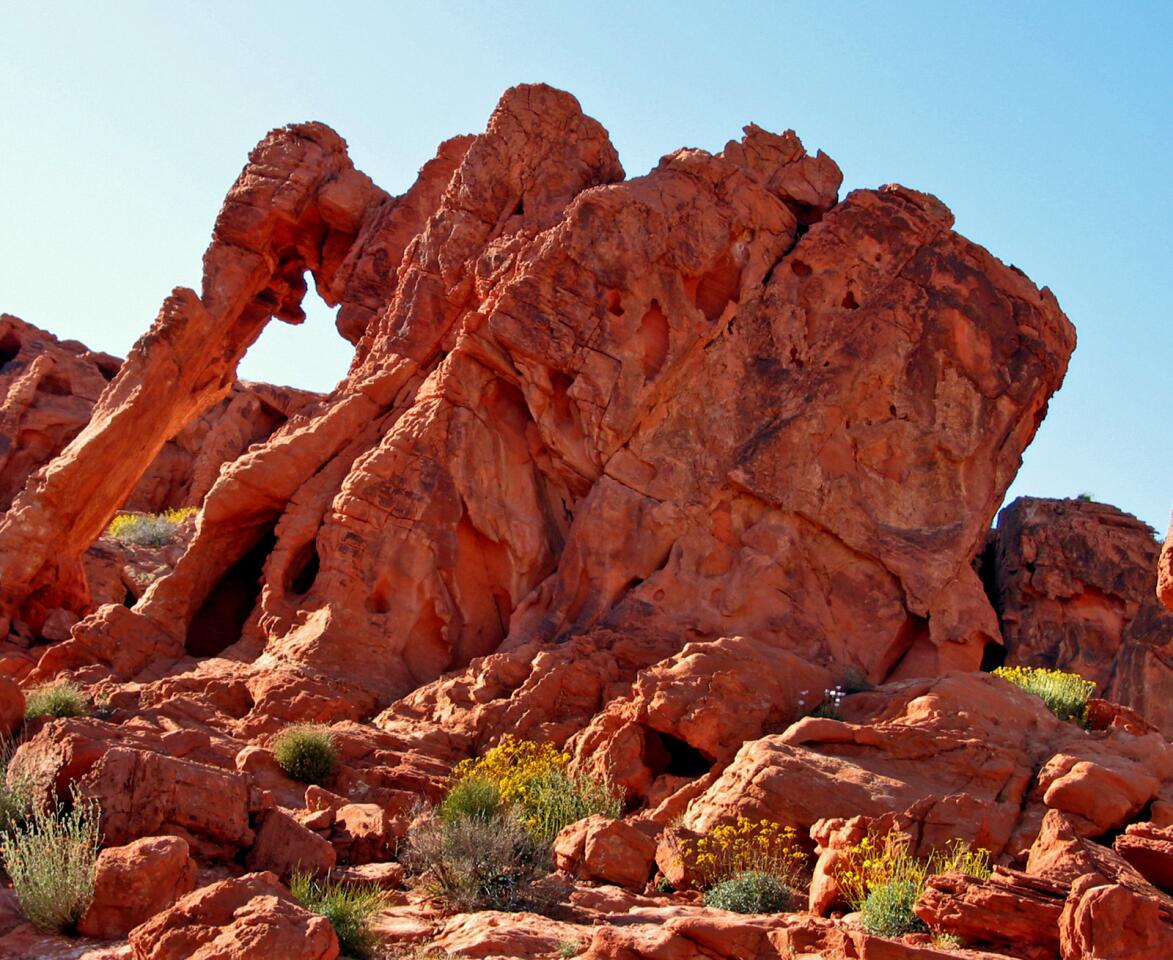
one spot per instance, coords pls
(1046, 127)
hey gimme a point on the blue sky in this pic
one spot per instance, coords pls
(1046, 127)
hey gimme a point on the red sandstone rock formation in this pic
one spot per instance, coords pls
(1073, 583)
(638, 466)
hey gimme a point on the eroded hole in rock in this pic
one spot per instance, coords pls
(993, 656)
(304, 355)
(303, 569)
(664, 753)
(614, 303)
(108, 369)
(9, 348)
(849, 301)
(129, 600)
(799, 268)
(718, 288)
(54, 385)
(653, 335)
(220, 619)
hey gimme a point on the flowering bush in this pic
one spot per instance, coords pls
(532, 779)
(747, 846)
(148, 529)
(1065, 694)
(883, 881)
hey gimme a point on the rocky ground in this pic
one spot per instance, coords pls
(639, 467)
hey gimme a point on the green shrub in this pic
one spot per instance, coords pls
(1065, 694)
(348, 907)
(470, 798)
(750, 892)
(568, 949)
(55, 700)
(887, 909)
(306, 752)
(51, 858)
(478, 864)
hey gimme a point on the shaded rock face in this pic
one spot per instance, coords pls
(706, 402)
(1073, 583)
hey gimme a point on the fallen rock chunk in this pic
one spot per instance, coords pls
(284, 847)
(132, 883)
(611, 851)
(1149, 848)
(248, 918)
(364, 833)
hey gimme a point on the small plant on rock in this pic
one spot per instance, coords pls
(306, 752)
(1065, 694)
(568, 949)
(51, 857)
(830, 704)
(349, 908)
(751, 891)
(55, 700)
(470, 798)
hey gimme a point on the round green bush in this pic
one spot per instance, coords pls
(55, 700)
(471, 798)
(306, 752)
(750, 892)
(887, 911)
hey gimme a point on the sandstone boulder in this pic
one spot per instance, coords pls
(610, 851)
(134, 882)
(241, 919)
(143, 794)
(283, 846)
(1112, 922)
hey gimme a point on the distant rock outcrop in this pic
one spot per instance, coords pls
(1073, 584)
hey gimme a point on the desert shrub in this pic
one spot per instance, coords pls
(50, 857)
(568, 949)
(747, 846)
(883, 880)
(750, 891)
(533, 780)
(348, 907)
(830, 704)
(16, 796)
(306, 752)
(887, 909)
(470, 798)
(478, 863)
(148, 529)
(55, 700)
(1065, 694)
